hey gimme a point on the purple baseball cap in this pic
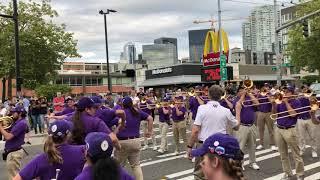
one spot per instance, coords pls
(97, 100)
(126, 100)
(98, 143)
(289, 88)
(223, 145)
(18, 108)
(85, 102)
(59, 128)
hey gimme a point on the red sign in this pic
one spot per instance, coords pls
(212, 74)
(211, 59)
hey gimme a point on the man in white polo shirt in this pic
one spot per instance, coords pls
(211, 118)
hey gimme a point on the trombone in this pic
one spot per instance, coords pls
(278, 99)
(313, 107)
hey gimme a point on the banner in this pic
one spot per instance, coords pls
(211, 50)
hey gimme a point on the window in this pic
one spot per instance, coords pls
(88, 81)
(94, 81)
(66, 80)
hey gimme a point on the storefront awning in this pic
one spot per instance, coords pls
(184, 79)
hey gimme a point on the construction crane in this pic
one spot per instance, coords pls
(212, 21)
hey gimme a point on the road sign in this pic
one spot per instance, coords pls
(223, 73)
(274, 68)
(223, 60)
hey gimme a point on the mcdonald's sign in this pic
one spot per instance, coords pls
(211, 50)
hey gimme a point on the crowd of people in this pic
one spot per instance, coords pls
(84, 132)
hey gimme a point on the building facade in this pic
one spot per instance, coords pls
(166, 40)
(196, 44)
(129, 53)
(157, 55)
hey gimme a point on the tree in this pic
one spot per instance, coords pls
(44, 45)
(305, 52)
(50, 90)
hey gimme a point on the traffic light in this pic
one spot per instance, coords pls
(305, 29)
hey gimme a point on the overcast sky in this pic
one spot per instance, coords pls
(142, 21)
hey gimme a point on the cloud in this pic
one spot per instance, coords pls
(142, 21)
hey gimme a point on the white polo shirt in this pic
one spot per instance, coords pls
(213, 118)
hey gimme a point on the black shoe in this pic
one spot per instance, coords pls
(28, 142)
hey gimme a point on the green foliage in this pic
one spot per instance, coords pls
(44, 45)
(50, 90)
(305, 52)
(310, 79)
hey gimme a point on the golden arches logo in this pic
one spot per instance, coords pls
(212, 40)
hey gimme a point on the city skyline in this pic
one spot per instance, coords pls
(142, 21)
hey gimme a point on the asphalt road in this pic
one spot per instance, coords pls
(157, 166)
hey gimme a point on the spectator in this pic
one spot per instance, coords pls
(58, 102)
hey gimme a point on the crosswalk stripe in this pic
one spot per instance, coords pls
(306, 168)
(313, 177)
(178, 174)
(187, 178)
(161, 160)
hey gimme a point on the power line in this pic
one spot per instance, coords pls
(248, 2)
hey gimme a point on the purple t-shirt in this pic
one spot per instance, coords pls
(107, 115)
(304, 102)
(87, 174)
(18, 129)
(117, 107)
(247, 115)
(288, 121)
(73, 162)
(65, 111)
(174, 115)
(93, 124)
(264, 107)
(194, 104)
(144, 107)
(132, 124)
(164, 117)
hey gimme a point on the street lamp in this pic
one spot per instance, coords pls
(106, 39)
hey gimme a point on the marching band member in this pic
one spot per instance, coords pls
(247, 130)
(85, 121)
(194, 103)
(164, 121)
(205, 125)
(13, 151)
(144, 105)
(99, 163)
(305, 126)
(129, 137)
(59, 160)
(109, 116)
(118, 105)
(221, 158)
(179, 124)
(286, 134)
(263, 119)
(69, 108)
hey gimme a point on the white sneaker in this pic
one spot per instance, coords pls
(176, 152)
(274, 148)
(243, 169)
(145, 147)
(161, 151)
(193, 159)
(255, 166)
(259, 147)
(285, 177)
(155, 148)
(314, 154)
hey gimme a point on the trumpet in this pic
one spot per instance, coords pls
(314, 105)
(277, 99)
(6, 121)
(157, 105)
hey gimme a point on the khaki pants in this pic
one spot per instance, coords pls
(198, 174)
(145, 139)
(180, 131)
(264, 119)
(306, 128)
(285, 138)
(247, 136)
(14, 163)
(163, 127)
(130, 150)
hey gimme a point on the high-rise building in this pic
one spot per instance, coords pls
(196, 44)
(166, 40)
(157, 55)
(129, 52)
(258, 32)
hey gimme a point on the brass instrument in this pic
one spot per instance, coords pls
(247, 84)
(314, 105)
(277, 99)
(6, 122)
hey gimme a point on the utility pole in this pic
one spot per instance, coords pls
(220, 40)
(276, 44)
